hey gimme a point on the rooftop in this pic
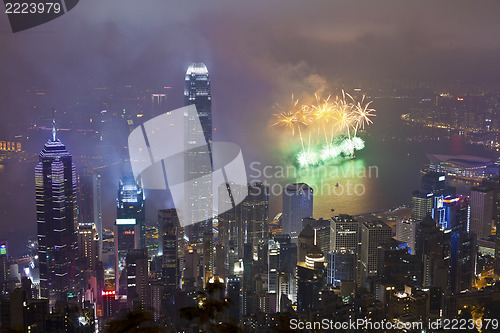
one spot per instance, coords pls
(464, 161)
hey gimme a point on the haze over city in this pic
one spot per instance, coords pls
(429, 72)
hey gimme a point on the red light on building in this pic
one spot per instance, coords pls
(108, 293)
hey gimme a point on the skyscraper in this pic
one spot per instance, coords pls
(4, 268)
(481, 211)
(198, 162)
(344, 234)
(96, 197)
(433, 250)
(244, 223)
(373, 233)
(197, 92)
(130, 229)
(310, 280)
(297, 204)
(462, 261)
(130, 204)
(457, 211)
(171, 237)
(421, 205)
(406, 232)
(255, 214)
(158, 104)
(322, 233)
(341, 266)
(231, 222)
(126, 238)
(282, 262)
(137, 277)
(55, 181)
(88, 245)
(433, 182)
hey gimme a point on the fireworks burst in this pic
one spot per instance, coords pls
(331, 126)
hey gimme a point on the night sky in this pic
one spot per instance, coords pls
(258, 52)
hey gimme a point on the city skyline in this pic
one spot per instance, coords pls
(396, 224)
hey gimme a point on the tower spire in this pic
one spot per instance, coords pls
(54, 128)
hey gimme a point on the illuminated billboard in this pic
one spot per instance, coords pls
(125, 221)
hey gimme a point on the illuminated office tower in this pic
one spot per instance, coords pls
(457, 211)
(344, 234)
(306, 241)
(433, 250)
(109, 304)
(395, 265)
(97, 206)
(297, 204)
(234, 293)
(406, 232)
(421, 205)
(245, 223)
(231, 221)
(481, 211)
(438, 211)
(130, 205)
(197, 92)
(433, 182)
(129, 227)
(88, 245)
(248, 283)
(462, 261)
(126, 238)
(255, 215)
(373, 233)
(171, 243)
(273, 266)
(158, 104)
(137, 277)
(89, 202)
(198, 162)
(282, 261)
(208, 257)
(310, 280)
(322, 232)
(342, 263)
(4, 268)
(55, 180)
(341, 266)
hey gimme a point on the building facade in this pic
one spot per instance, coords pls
(297, 204)
(55, 181)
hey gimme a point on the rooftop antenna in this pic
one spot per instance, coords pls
(54, 128)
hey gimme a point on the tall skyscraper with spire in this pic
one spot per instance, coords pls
(55, 180)
(197, 92)
(197, 163)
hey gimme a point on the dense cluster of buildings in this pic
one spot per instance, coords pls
(476, 116)
(263, 272)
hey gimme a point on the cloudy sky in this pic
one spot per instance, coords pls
(258, 52)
